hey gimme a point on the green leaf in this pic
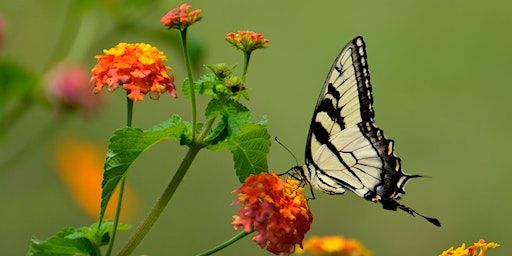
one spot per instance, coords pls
(75, 241)
(60, 245)
(249, 148)
(126, 145)
(205, 85)
(98, 237)
(233, 117)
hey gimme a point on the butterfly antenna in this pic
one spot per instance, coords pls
(287, 149)
(413, 213)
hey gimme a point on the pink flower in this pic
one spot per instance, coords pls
(68, 86)
(181, 17)
(2, 30)
(275, 210)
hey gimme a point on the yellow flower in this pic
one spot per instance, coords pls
(477, 249)
(334, 246)
(80, 166)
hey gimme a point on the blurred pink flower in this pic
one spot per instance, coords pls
(68, 86)
(2, 30)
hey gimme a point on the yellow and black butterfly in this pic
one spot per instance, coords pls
(344, 149)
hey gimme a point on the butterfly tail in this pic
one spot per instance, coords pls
(413, 213)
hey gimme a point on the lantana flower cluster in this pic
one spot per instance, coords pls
(246, 40)
(477, 249)
(334, 246)
(181, 17)
(275, 209)
(138, 67)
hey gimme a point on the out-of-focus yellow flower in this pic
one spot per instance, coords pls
(246, 40)
(80, 165)
(333, 246)
(181, 17)
(139, 68)
(275, 209)
(477, 249)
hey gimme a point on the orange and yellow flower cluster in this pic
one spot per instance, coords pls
(334, 246)
(477, 249)
(138, 67)
(246, 40)
(275, 209)
(181, 17)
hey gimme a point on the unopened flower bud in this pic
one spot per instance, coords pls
(221, 70)
(234, 83)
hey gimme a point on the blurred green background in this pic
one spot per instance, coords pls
(441, 78)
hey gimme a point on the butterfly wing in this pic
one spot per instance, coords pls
(344, 148)
(343, 144)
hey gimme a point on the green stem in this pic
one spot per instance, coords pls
(190, 81)
(161, 203)
(207, 129)
(118, 214)
(129, 115)
(225, 244)
(247, 57)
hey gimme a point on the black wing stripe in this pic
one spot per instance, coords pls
(340, 182)
(322, 137)
(363, 80)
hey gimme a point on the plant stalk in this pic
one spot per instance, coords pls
(161, 203)
(247, 57)
(225, 244)
(129, 115)
(190, 82)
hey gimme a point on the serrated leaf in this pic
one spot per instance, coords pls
(75, 241)
(234, 117)
(60, 245)
(249, 148)
(126, 145)
(205, 85)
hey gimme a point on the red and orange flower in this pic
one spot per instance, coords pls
(138, 67)
(181, 17)
(275, 209)
(477, 249)
(246, 40)
(334, 246)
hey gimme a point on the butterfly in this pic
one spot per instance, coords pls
(344, 149)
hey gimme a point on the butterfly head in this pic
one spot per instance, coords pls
(301, 173)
